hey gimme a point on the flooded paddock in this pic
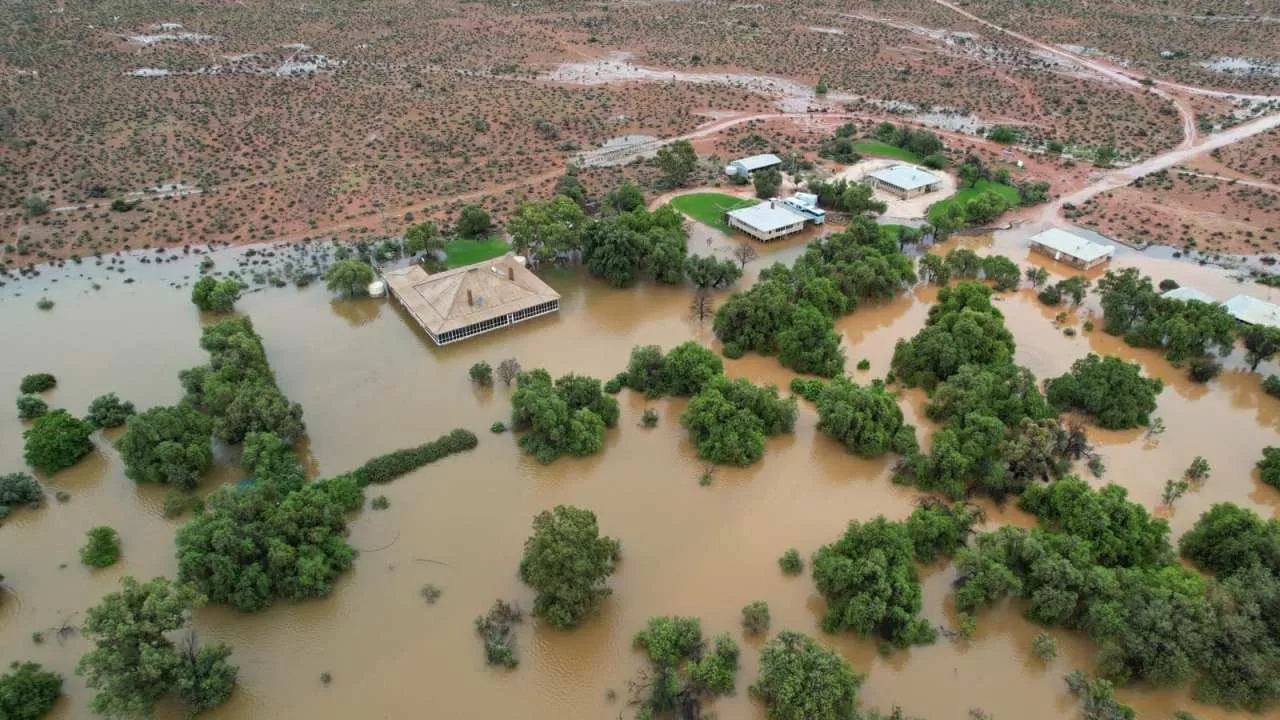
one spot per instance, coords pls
(370, 381)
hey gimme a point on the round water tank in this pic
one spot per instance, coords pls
(377, 289)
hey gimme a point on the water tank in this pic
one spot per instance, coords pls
(377, 289)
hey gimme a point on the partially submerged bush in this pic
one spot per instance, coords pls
(386, 468)
(102, 549)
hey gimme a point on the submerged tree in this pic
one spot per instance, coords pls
(802, 680)
(349, 278)
(55, 441)
(683, 670)
(567, 562)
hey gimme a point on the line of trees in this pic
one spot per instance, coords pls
(963, 263)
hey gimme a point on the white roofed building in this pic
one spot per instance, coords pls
(766, 221)
(745, 166)
(904, 181)
(1188, 293)
(1071, 249)
(1252, 311)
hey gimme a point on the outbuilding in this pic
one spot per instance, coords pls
(1252, 311)
(1071, 249)
(1188, 293)
(766, 221)
(747, 165)
(904, 181)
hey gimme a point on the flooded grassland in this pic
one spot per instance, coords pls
(370, 381)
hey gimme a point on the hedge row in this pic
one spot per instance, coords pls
(386, 468)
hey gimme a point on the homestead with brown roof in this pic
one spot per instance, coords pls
(471, 300)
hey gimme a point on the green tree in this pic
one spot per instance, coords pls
(349, 278)
(624, 247)
(682, 671)
(473, 222)
(767, 182)
(134, 663)
(791, 563)
(677, 161)
(705, 271)
(1002, 134)
(867, 421)
(102, 549)
(205, 677)
(31, 406)
(548, 229)
(728, 420)
(810, 344)
(755, 617)
(1111, 390)
(1261, 344)
(1269, 467)
(28, 691)
(37, 383)
(109, 411)
(625, 198)
(1002, 272)
(211, 295)
(422, 237)
(167, 445)
(568, 417)
(963, 328)
(1120, 533)
(481, 373)
(1228, 539)
(19, 489)
(292, 547)
(802, 680)
(869, 580)
(55, 441)
(567, 563)
(939, 529)
(935, 270)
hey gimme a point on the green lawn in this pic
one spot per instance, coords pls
(875, 147)
(461, 251)
(709, 208)
(1008, 193)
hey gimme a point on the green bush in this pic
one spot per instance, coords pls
(56, 441)
(728, 420)
(567, 563)
(31, 407)
(791, 563)
(167, 445)
(1044, 646)
(349, 278)
(39, 382)
(567, 417)
(808, 388)
(683, 371)
(1111, 390)
(649, 418)
(211, 295)
(386, 468)
(109, 411)
(498, 427)
(802, 680)
(481, 374)
(866, 420)
(497, 631)
(102, 549)
(28, 691)
(686, 669)
(19, 489)
(1269, 467)
(732, 350)
(755, 617)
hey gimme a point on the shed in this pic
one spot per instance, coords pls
(905, 181)
(1188, 293)
(1071, 249)
(747, 165)
(1252, 311)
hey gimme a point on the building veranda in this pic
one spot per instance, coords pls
(471, 300)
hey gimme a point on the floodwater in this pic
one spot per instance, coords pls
(369, 382)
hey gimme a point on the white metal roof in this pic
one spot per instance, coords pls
(755, 162)
(1188, 293)
(1249, 309)
(1072, 244)
(766, 218)
(905, 177)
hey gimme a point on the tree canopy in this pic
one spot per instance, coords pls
(1112, 391)
(548, 228)
(473, 221)
(683, 371)
(55, 441)
(28, 691)
(212, 295)
(349, 278)
(567, 563)
(802, 680)
(728, 420)
(109, 411)
(677, 161)
(167, 445)
(568, 417)
(134, 664)
(866, 420)
(627, 246)
(1228, 539)
(1184, 329)
(18, 489)
(963, 328)
(683, 669)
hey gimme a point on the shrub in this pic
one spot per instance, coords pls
(802, 680)
(167, 445)
(1198, 470)
(1044, 646)
(1113, 391)
(211, 295)
(684, 671)
(39, 382)
(567, 563)
(567, 417)
(649, 418)
(1269, 467)
(729, 420)
(102, 549)
(178, 502)
(380, 503)
(481, 374)
(349, 278)
(44, 304)
(386, 468)
(867, 421)
(1271, 385)
(864, 364)
(56, 441)
(1204, 369)
(19, 489)
(755, 617)
(498, 427)
(28, 691)
(109, 411)
(496, 630)
(31, 407)
(791, 563)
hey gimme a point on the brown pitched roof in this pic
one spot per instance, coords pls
(496, 287)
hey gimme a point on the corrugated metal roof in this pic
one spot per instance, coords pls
(1188, 293)
(440, 301)
(1072, 244)
(1251, 310)
(766, 218)
(755, 162)
(905, 177)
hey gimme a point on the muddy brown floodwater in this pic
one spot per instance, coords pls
(370, 382)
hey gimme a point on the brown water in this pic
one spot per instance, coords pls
(370, 382)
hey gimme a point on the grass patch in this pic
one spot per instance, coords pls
(875, 147)
(890, 231)
(461, 251)
(709, 208)
(1010, 194)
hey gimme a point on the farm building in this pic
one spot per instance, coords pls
(1071, 249)
(767, 221)
(473, 299)
(806, 205)
(1252, 311)
(745, 166)
(1188, 293)
(904, 181)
